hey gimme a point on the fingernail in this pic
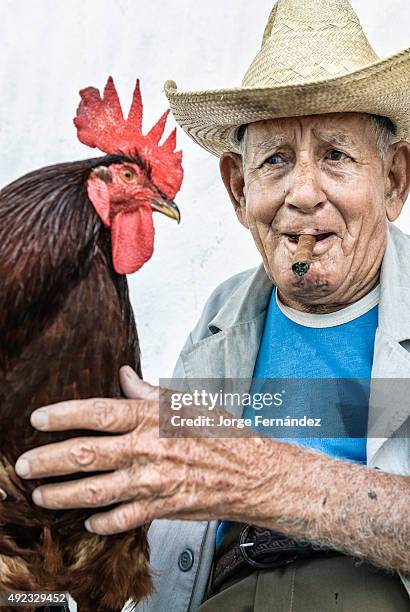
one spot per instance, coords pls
(3, 495)
(37, 497)
(22, 468)
(87, 525)
(39, 419)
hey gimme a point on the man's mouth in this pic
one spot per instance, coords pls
(324, 240)
(319, 237)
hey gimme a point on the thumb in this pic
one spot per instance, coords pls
(134, 387)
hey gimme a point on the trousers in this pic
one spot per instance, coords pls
(336, 584)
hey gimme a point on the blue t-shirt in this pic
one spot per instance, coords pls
(337, 345)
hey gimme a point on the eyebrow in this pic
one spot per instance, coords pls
(269, 143)
(338, 139)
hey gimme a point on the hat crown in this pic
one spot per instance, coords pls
(309, 40)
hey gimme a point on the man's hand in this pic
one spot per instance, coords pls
(271, 484)
(149, 476)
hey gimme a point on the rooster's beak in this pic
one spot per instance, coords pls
(167, 207)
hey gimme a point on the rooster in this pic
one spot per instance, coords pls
(69, 233)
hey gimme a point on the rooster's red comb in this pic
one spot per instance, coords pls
(100, 123)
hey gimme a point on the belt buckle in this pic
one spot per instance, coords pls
(244, 546)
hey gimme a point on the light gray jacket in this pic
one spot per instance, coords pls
(225, 344)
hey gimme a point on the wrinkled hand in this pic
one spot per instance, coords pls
(147, 475)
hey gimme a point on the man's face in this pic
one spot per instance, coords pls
(319, 174)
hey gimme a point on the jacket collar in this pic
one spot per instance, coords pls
(248, 302)
(394, 305)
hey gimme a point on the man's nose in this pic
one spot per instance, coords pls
(304, 188)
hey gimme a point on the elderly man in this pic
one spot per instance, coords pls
(314, 142)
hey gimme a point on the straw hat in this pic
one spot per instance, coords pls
(314, 59)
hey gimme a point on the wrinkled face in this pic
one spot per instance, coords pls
(320, 175)
(124, 197)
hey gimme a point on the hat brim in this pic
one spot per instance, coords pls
(211, 118)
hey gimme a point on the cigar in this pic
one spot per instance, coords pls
(303, 256)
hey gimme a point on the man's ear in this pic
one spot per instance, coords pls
(231, 168)
(398, 178)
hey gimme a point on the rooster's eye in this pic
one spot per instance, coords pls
(128, 175)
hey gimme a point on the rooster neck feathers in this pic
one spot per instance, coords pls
(49, 234)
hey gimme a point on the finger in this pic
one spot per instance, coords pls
(76, 455)
(92, 492)
(133, 514)
(99, 414)
(136, 388)
(102, 490)
(122, 518)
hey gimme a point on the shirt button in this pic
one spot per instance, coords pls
(186, 560)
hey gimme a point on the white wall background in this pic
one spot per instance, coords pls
(52, 48)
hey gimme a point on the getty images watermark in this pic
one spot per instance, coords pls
(233, 407)
(284, 407)
(228, 400)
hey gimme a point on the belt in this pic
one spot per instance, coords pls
(259, 549)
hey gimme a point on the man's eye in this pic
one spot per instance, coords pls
(335, 155)
(274, 160)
